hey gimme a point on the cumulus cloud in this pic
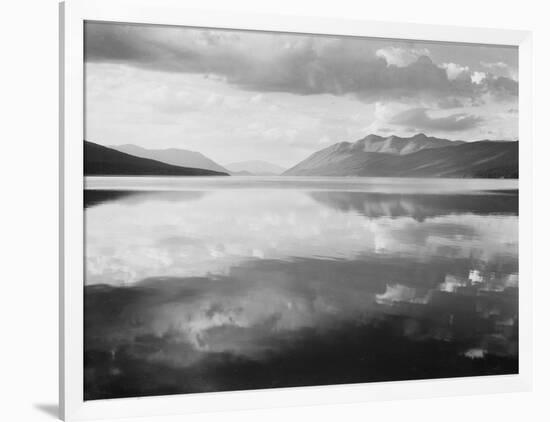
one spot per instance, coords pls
(418, 118)
(478, 77)
(297, 64)
(401, 57)
(455, 70)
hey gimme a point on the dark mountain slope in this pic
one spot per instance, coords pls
(474, 159)
(103, 161)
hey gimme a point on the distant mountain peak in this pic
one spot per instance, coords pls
(255, 167)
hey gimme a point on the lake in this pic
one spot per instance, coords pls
(204, 284)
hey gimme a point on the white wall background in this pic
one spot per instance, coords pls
(28, 207)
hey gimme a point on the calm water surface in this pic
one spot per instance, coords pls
(214, 284)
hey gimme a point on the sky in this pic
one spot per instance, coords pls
(246, 95)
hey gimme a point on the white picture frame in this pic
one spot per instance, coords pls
(73, 14)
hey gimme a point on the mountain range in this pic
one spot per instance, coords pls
(415, 156)
(103, 161)
(373, 156)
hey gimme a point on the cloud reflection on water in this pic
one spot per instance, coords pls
(185, 234)
(288, 288)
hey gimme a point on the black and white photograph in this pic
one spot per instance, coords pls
(271, 210)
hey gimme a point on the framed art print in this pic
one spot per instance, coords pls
(262, 210)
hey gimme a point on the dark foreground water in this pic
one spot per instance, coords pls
(214, 284)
